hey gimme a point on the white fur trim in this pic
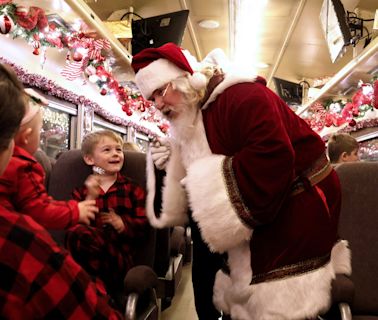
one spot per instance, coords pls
(300, 297)
(220, 225)
(235, 287)
(198, 81)
(234, 76)
(174, 200)
(217, 57)
(156, 75)
(192, 60)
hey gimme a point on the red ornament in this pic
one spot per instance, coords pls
(127, 110)
(352, 123)
(36, 45)
(328, 121)
(77, 56)
(103, 92)
(6, 24)
(163, 127)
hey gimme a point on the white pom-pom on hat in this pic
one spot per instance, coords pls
(217, 57)
(198, 81)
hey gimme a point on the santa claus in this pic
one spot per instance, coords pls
(257, 181)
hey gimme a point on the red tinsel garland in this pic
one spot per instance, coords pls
(51, 88)
(84, 52)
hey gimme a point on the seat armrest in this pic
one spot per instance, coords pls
(177, 241)
(138, 281)
(342, 289)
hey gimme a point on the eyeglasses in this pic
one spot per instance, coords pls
(160, 92)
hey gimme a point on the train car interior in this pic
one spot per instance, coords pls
(319, 56)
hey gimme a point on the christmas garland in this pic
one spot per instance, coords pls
(86, 57)
(51, 88)
(351, 114)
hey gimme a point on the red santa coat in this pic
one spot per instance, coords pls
(22, 190)
(246, 169)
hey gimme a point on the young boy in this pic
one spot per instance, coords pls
(22, 187)
(39, 280)
(104, 248)
(342, 147)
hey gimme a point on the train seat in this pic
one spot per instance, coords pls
(46, 162)
(69, 172)
(358, 224)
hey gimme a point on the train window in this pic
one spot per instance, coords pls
(142, 141)
(369, 150)
(55, 133)
(101, 124)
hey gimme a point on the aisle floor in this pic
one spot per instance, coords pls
(182, 307)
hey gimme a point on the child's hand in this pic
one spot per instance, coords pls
(87, 211)
(114, 220)
(93, 185)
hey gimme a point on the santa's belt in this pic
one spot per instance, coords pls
(318, 171)
(292, 270)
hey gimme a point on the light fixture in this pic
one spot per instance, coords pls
(262, 65)
(375, 26)
(208, 24)
(246, 24)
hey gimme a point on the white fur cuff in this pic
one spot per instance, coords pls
(220, 225)
(174, 201)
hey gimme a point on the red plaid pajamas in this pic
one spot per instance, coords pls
(40, 280)
(99, 249)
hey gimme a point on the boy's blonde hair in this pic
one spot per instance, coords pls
(339, 143)
(131, 146)
(90, 140)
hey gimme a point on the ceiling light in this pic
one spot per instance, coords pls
(208, 24)
(375, 26)
(247, 23)
(262, 65)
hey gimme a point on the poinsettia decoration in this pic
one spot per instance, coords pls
(336, 113)
(87, 58)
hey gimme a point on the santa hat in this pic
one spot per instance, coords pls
(155, 67)
(34, 102)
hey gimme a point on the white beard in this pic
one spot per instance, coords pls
(189, 134)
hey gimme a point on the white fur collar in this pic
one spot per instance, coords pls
(237, 75)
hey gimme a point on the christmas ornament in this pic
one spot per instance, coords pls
(6, 24)
(77, 56)
(36, 45)
(352, 123)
